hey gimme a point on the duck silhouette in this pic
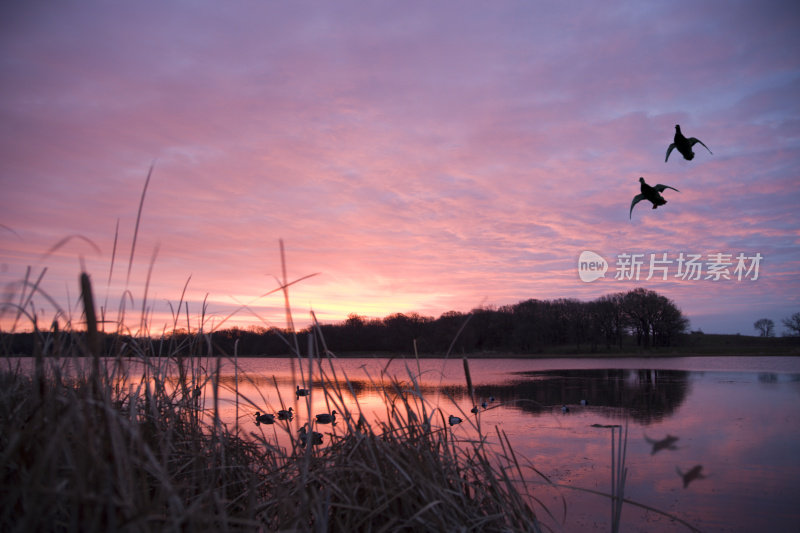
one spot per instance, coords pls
(316, 438)
(264, 419)
(301, 392)
(684, 145)
(652, 194)
(326, 418)
(285, 414)
(453, 420)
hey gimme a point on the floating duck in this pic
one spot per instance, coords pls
(491, 399)
(264, 419)
(474, 409)
(652, 194)
(326, 418)
(316, 438)
(453, 420)
(684, 145)
(691, 475)
(484, 404)
(667, 443)
(285, 414)
(564, 409)
(584, 403)
(301, 392)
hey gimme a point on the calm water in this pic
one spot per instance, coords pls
(737, 417)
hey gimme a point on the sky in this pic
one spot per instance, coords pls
(416, 156)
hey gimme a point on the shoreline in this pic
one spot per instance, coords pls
(505, 355)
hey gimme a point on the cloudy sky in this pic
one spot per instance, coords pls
(420, 156)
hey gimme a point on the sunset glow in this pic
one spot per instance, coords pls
(417, 157)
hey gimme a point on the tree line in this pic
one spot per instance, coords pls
(641, 317)
(638, 317)
(766, 326)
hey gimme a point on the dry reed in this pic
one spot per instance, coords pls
(122, 443)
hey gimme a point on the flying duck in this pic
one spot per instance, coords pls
(652, 194)
(285, 414)
(326, 418)
(264, 419)
(684, 145)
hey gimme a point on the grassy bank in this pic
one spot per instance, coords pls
(104, 450)
(103, 447)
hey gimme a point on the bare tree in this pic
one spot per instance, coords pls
(793, 325)
(765, 327)
(653, 319)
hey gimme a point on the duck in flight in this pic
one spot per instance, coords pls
(684, 145)
(652, 194)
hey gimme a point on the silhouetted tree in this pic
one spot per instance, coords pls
(653, 318)
(765, 327)
(608, 318)
(792, 324)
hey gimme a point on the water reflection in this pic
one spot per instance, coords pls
(741, 424)
(741, 428)
(646, 396)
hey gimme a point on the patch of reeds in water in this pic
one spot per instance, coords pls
(107, 448)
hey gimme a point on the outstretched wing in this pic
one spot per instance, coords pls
(636, 199)
(669, 151)
(660, 188)
(695, 140)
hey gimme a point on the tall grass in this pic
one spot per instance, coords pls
(91, 443)
(115, 435)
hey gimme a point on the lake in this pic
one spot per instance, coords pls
(738, 418)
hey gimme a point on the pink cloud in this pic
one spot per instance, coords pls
(422, 159)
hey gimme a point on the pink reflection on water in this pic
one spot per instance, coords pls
(742, 426)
